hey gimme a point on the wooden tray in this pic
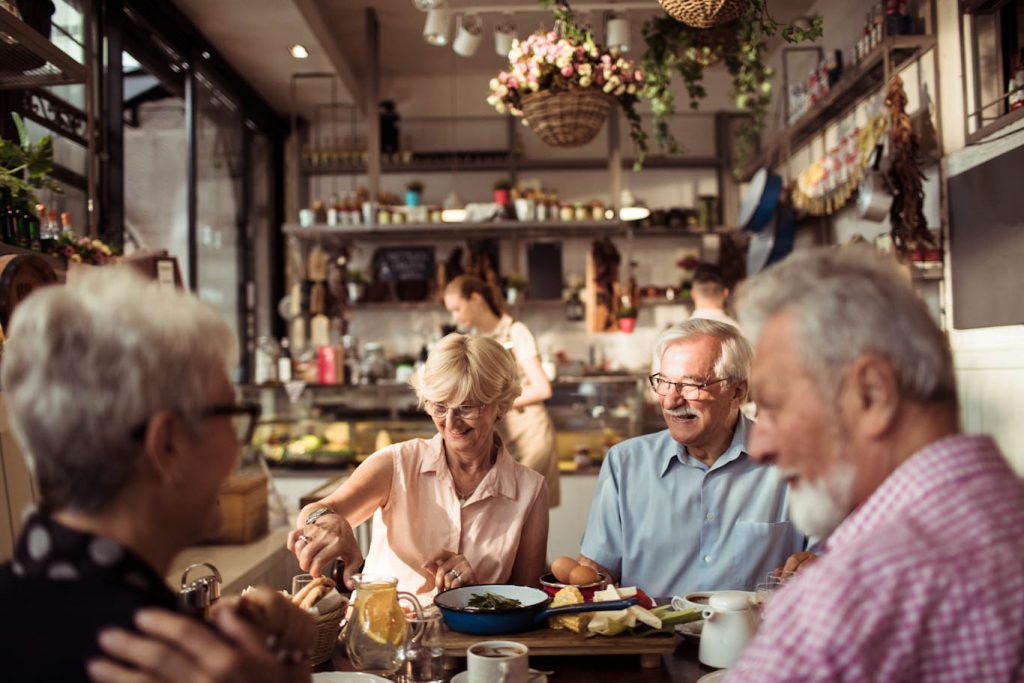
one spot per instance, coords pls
(546, 642)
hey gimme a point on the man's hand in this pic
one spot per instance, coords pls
(795, 563)
(329, 538)
(285, 629)
(587, 562)
(173, 647)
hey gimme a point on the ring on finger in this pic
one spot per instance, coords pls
(303, 537)
(454, 573)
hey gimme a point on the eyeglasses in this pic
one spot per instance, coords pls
(688, 390)
(466, 412)
(243, 418)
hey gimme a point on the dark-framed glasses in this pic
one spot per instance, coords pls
(688, 390)
(466, 412)
(243, 418)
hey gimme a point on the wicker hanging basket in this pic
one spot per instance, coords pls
(705, 13)
(566, 118)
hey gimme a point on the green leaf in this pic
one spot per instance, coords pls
(23, 138)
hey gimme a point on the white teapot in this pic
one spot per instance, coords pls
(730, 621)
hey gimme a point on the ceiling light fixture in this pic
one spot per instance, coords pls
(617, 31)
(426, 5)
(435, 31)
(298, 51)
(504, 35)
(468, 35)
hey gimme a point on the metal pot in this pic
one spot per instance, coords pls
(873, 197)
(454, 606)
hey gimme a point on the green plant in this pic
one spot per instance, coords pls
(25, 167)
(503, 184)
(674, 47)
(355, 276)
(626, 312)
(414, 186)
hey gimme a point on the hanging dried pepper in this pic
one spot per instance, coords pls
(909, 227)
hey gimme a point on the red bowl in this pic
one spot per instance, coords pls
(551, 586)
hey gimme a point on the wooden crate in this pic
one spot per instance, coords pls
(243, 508)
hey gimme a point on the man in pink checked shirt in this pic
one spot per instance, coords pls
(922, 574)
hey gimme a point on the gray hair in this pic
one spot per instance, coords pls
(850, 302)
(89, 363)
(734, 354)
(469, 369)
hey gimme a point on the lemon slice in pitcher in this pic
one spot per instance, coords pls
(379, 619)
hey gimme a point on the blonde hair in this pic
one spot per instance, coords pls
(463, 369)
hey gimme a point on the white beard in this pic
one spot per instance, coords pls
(818, 508)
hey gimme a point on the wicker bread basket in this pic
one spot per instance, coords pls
(704, 13)
(328, 627)
(566, 118)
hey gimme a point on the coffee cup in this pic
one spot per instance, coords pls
(498, 661)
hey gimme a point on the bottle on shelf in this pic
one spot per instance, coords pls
(65, 223)
(350, 347)
(284, 362)
(265, 371)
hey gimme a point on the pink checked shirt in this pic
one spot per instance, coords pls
(923, 582)
(423, 515)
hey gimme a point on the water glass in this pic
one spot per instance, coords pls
(771, 583)
(299, 582)
(423, 654)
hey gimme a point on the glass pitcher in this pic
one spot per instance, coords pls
(422, 658)
(376, 630)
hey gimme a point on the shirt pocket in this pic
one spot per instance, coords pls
(759, 547)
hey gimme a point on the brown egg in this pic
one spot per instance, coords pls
(563, 567)
(581, 576)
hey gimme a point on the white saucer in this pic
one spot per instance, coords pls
(713, 677)
(535, 677)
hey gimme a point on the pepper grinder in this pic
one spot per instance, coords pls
(197, 596)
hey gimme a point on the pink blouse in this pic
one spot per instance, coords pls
(423, 516)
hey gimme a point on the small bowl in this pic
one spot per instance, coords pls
(551, 586)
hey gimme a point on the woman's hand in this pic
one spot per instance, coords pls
(285, 629)
(173, 647)
(329, 538)
(450, 570)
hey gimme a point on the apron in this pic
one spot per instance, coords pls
(528, 432)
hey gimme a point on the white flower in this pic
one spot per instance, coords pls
(585, 81)
(493, 84)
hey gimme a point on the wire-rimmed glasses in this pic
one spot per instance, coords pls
(688, 390)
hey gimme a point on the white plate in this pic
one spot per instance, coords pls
(347, 677)
(713, 677)
(535, 677)
(691, 629)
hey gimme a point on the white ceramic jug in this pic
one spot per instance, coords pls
(730, 621)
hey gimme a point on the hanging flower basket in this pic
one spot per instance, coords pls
(566, 119)
(705, 13)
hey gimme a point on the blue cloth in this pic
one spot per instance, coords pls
(669, 524)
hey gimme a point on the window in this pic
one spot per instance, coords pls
(993, 43)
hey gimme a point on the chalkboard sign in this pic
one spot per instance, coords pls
(404, 264)
(986, 208)
(544, 263)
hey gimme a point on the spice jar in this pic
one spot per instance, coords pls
(565, 213)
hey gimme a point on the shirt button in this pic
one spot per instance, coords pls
(709, 516)
(707, 558)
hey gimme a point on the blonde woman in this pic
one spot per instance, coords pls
(454, 510)
(527, 430)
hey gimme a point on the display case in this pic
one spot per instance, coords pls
(324, 426)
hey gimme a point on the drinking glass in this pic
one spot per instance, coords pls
(423, 654)
(771, 583)
(299, 582)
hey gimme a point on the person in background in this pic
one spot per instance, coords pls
(527, 430)
(709, 294)
(920, 578)
(687, 509)
(118, 393)
(454, 510)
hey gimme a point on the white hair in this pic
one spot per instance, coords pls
(846, 303)
(88, 364)
(464, 368)
(734, 355)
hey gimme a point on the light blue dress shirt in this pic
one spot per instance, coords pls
(669, 524)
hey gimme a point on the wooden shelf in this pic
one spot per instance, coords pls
(855, 83)
(499, 161)
(508, 229)
(59, 69)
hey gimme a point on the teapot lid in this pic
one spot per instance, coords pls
(729, 601)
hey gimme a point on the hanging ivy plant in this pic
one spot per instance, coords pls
(676, 48)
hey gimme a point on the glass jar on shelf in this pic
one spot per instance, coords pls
(374, 366)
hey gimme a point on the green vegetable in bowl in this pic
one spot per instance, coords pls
(490, 601)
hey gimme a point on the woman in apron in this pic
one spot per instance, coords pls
(527, 429)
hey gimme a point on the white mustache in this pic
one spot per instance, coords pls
(681, 411)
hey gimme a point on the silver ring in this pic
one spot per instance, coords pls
(303, 537)
(454, 573)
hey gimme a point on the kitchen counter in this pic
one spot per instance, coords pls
(265, 561)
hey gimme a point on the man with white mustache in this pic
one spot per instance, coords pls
(922, 574)
(687, 509)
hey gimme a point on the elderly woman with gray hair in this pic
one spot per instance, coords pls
(449, 511)
(118, 392)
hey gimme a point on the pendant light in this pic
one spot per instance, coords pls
(617, 32)
(468, 35)
(435, 31)
(504, 35)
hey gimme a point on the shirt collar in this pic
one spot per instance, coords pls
(675, 451)
(500, 480)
